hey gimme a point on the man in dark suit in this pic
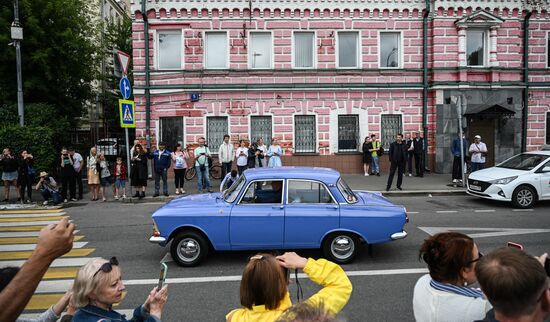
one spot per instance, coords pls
(410, 153)
(398, 159)
(418, 151)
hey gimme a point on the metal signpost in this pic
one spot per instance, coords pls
(459, 112)
(125, 106)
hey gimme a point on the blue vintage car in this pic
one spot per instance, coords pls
(278, 208)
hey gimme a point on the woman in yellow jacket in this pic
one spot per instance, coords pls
(264, 293)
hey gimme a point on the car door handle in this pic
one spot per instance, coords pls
(277, 207)
(332, 207)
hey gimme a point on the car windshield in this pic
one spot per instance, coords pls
(524, 161)
(346, 191)
(231, 194)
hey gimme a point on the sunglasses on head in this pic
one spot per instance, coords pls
(107, 267)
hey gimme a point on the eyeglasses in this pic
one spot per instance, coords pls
(107, 267)
(479, 256)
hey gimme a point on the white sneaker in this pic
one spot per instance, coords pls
(366, 174)
(455, 180)
(45, 203)
(116, 197)
(65, 200)
(410, 174)
(123, 196)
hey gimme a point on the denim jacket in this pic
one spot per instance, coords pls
(92, 313)
(163, 160)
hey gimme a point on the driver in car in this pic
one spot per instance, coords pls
(270, 196)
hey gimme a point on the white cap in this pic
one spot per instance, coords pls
(477, 137)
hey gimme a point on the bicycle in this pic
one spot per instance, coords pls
(214, 171)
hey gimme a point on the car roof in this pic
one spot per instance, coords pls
(543, 152)
(327, 175)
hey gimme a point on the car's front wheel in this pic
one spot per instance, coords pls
(524, 197)
(341, 247)
(189, 248)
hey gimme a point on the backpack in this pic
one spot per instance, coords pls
(380, 151)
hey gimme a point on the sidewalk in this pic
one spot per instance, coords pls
(430, 184)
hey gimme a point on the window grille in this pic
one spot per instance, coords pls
(260, 127)
(216, 128)
(348, 133)
(391, 126)
(305, 134)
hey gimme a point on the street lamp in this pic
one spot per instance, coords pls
(17, 36)
(458, 100)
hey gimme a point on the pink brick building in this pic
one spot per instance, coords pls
(320, 75)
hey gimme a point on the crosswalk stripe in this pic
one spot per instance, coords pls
(13, 234)
(60, 262)
(24, 247)
(22, 228)
(55, 286)
(29, 219)
(26, 240)
(31, 215)
(126, 312)
(61, 272)
(44, 301)
(27, 254)
(30, 223)
(30, 211)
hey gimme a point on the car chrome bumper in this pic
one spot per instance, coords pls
(399, 235)
(157, 240)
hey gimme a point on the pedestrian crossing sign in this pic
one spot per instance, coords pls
(127, 114)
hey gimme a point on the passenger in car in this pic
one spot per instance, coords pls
(270, 196)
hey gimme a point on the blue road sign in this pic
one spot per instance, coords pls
(125, 87)
(127, 116)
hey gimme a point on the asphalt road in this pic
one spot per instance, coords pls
(383, 283)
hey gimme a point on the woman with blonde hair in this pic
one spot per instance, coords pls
(98, 285)
(92, 162)
(264, 286)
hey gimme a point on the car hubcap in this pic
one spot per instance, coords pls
(342, 247)
(189, 249)
(525, 197)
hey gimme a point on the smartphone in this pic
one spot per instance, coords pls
(162, 277)
(515, 245)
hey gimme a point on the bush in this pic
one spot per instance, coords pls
(37, 140)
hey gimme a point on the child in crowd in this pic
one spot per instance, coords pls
(105, 176)
(229, 180)
(120, 175)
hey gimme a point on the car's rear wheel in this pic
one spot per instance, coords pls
(524, 197)
(341, 247)
(189, 248)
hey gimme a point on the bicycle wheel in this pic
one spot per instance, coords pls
(190, 174)
(216, 172)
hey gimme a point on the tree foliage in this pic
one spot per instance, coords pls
(59, 54)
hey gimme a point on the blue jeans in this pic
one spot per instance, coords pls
(54, 195)
(375, 166)
(203, 175)
(161, 175)
(477, 166)
(226, 168)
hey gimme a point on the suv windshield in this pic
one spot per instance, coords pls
(231, 194)
(524, 161)
(346, 191)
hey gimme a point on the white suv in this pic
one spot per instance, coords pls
(523, 179)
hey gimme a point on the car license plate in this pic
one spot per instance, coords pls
(474, 187)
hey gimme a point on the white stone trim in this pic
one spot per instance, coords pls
(356, 109)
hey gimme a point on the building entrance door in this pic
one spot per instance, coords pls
(484, 127)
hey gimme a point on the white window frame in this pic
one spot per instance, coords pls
(206, 48)
(314, 44)
(249, 57)
(486, 50)
(157, 47)
(359, 59)
(401, 56)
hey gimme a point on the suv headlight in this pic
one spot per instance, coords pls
(503, 180)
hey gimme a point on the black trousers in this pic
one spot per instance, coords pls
(226, 168)
(457, 168)
(78, 180)
(418, 164)
(179, 177)
(393, 167)
(410, 156)
(25, 184)
(68, 183)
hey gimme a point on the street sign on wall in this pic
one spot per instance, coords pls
(127, 114)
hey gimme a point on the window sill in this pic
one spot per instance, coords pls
(306, 153)
(348, 153)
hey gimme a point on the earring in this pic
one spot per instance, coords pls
(465, 283)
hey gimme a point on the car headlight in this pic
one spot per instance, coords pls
(503, 180)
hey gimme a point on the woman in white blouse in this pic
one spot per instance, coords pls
(242, 157)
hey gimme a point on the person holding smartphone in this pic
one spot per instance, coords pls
(202, 153)
(274, 153)
(242, 157)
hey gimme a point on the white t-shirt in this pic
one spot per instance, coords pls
(476, 150)
(431, 305)
(77, 161)
(242, 160)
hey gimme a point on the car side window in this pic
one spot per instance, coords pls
(308, 192)
(263, 192)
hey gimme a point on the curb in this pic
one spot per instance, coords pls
(11, 207)
(414, 193)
